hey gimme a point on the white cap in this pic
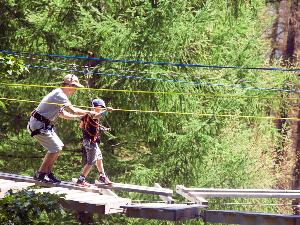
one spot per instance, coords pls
(71, 79)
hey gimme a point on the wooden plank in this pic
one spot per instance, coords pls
(248, 218)
(108, 192)
(15, 186)
(101, 190)
(87, 201)
(2, 194)
(240, 190)
(180, 189)
(65, 184)
(52, 190)
(245, 195)
(72, 185)
(167, 199)
(101, 206)
(84, 197)
(83, 207)
(71, 194)
(136, 188)
(2, 181)
(170, 212)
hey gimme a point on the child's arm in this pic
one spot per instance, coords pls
(104, 113)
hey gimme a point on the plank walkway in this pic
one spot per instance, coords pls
(101, 199)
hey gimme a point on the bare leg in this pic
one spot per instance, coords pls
(102, 178)
(99, 165)
(54, 160)
(48, 162)
(86, 170)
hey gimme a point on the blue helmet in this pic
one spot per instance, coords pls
(98, 102)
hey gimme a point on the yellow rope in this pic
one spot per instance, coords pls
(147, 92)
(176, 113)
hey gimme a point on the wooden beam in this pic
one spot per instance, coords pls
(244, 195)
(87, 201)
(108, 192)
(136, 188)
(82, 206)
(65, 184)
(14, 186)
(2, 181)
(75, 194)
(167, 199)
(240, 190)
(248, 218)
(180, 189)
(170, 212)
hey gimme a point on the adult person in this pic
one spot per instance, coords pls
(90, 128)
(55, 104)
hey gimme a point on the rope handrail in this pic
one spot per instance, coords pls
(150, 92)
(174, 113)
(180, 81)
(152, 62)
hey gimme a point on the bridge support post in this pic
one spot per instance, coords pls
(84, 217)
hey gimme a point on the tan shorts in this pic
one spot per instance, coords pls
(49, 140)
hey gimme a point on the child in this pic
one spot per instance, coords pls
(90, 128)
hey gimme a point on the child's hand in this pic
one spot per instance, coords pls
(109, 109)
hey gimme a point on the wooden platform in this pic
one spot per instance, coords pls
(170, 212)
(6, 185)
(87, 199)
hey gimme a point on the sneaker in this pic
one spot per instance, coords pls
(39, 176)
(104, 179)
(44, 177)
(83, 183)
(52, 178)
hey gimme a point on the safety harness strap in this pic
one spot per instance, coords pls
(42, 119)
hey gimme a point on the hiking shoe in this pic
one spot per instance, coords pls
(44, 177)
(39, 176)
(83, 183)
(52, 178)
(103, 179)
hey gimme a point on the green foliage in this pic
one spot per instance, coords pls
(28, 207)
(11, 68)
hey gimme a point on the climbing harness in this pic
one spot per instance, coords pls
(47, 123)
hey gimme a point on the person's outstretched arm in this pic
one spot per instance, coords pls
(69, 116)
(77, 111)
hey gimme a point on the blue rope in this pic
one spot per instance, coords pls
(162, 80)
(153, 63)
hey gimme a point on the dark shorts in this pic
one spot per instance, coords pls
(93, 152)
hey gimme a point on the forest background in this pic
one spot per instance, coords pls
(235, 146)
